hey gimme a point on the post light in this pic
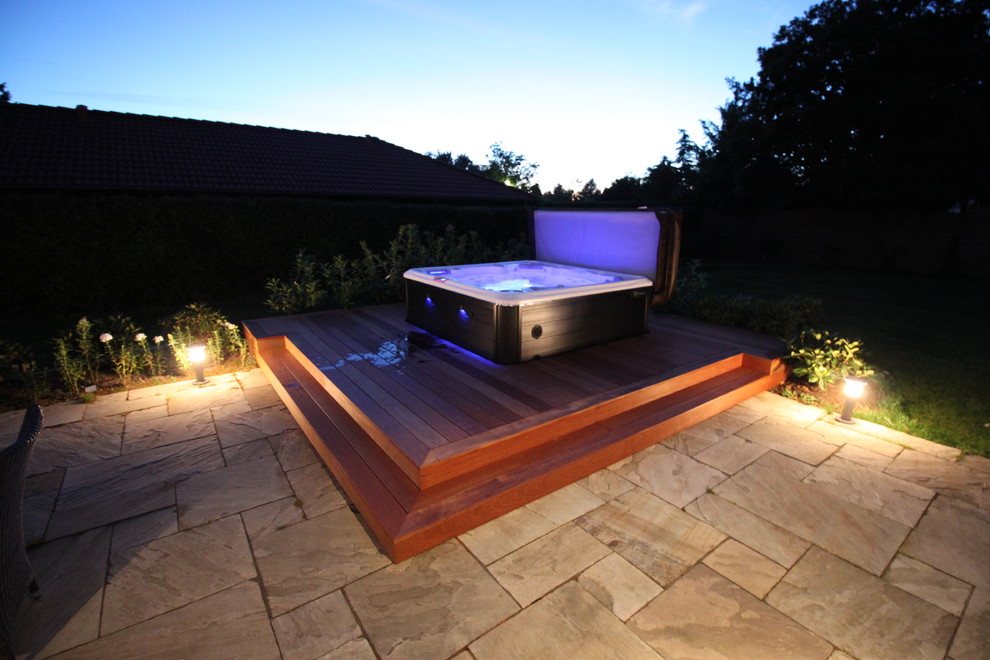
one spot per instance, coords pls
(853, 389)
(197, 355)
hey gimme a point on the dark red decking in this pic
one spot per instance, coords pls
(430, 440)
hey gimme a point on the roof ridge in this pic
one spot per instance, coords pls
(60, 148)
(220, 122)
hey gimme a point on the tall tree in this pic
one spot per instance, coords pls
(862, 102)
(4, 94)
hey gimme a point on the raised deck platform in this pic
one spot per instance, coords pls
(430, 440)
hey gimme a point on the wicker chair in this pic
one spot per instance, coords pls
(16, 576)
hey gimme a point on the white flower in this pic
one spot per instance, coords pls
(105, 337)
(230, 326)
(158, 339)
(140, 336)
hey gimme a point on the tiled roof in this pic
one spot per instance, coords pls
(44, 147)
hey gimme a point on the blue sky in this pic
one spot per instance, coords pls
(585, 89)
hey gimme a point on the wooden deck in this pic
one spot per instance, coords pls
(430, 440)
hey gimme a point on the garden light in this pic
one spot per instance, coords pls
(853, 389)
(197, 355)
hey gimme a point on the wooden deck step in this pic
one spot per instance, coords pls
(409, 517)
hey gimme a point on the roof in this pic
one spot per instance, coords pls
(43, 147)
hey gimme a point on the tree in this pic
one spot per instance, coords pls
(510, 168)
(861, 102)
(559, 195)
(462, 162)
(503, 166)
(4, 94)
(624, 189)
(664, 182)
(589, 192)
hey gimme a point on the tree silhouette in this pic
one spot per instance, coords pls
(510, 168)
(503, 166)
(861, 102)
(589, 192)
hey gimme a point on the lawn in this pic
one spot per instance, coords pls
(924, 334)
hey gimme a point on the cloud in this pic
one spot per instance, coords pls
(683, 11)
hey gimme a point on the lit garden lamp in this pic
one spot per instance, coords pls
(853, 390)
(197, 355)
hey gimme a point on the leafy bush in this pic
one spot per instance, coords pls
(129, 354)
(778, 318)
(376, 277)
(783, 317)
(822, 359)
(18, 366)
(201, 324)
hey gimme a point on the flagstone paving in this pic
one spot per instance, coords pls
(197, 522)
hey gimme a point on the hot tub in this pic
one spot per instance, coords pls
(594, 278)
(518, 310)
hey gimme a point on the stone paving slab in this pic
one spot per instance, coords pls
(858, 534)
(860, 613)
(536, 569)
(431, 605)
(654, 536)
(103, 492)
(705, 615)
(184, 521)
(670, 475)
(568, 623)
(230, 625)
(150, 579)
(954, 537)
(889, 496)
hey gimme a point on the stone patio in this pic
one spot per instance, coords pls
(177, 521)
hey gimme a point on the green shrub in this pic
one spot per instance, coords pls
(376, 276)
(77, 358)
(129, 354)
(779, 318)
(822, 359)
(19, 367)
(201, 324)
(782, 317)
(304, 290)
(689, 289)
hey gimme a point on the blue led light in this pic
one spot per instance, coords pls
(464, 313)
(429, 301)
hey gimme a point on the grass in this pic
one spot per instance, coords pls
(924, 333)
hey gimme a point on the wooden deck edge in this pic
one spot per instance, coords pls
(281, 342)
(423, 531)
(407, 519)
(381, 510)
(457, 459)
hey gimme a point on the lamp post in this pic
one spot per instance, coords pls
(197, 355)
(853, 389)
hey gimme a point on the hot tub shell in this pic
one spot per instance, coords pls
(633, 254)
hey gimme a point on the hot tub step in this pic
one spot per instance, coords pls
(408, 518)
